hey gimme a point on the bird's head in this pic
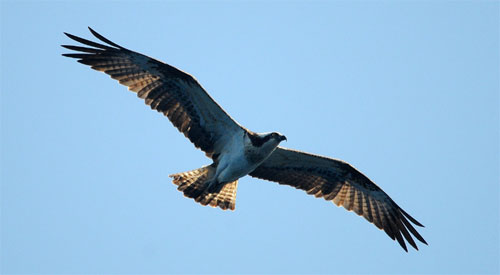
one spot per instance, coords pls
(267, 139)
(277, 136)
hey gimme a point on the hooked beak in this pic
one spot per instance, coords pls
(282, 138)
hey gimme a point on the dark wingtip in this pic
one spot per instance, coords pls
(92, 31)
(90, 43)
(69, 55)
(104, 39)
(413, 220)
(71, 36)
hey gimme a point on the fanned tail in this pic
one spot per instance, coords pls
(195, 184)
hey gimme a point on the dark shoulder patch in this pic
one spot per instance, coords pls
(256, 140)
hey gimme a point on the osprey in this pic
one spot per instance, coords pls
(235, 150)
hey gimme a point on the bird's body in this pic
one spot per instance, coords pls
(236, 151)
(232, 163)
(240, 156)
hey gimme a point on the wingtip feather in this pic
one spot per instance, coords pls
(413, 220)
(104, 39)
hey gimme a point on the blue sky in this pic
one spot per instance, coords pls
(407, 92)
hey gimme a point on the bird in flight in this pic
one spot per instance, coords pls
(236, 151)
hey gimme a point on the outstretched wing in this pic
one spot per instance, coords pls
(341, 183)
(166, 89)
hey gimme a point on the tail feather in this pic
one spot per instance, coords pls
(195, 184)
(224, 197)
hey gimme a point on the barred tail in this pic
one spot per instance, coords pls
(195, 184)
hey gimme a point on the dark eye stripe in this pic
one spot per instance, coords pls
(258, 141)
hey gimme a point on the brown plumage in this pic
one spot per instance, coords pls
(193, 185)
(337, 181)
(193, 112)
(166, 89)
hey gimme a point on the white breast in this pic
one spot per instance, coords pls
(233, 163)
(239, 157)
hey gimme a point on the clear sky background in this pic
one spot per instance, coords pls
(407, 92)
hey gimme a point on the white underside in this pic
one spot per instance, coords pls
(232, 162)
(239, 157)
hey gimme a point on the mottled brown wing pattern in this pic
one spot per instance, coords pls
(339, 182)
(166, 89)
